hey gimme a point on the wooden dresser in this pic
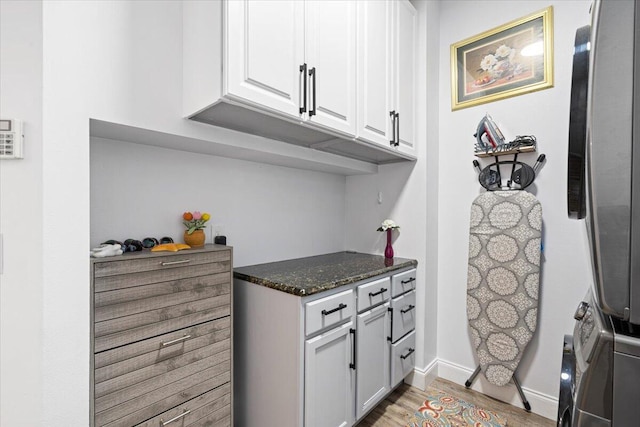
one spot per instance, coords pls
(161, 338)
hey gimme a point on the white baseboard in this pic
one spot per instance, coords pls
(421, 378)
(541, 404)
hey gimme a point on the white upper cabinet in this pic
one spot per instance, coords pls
(374, 71)
(265, 42)
(405, 72)
(295, 57)
(319, 74)
(387, 40)
(330, 55)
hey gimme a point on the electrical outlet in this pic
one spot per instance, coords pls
(218, 230)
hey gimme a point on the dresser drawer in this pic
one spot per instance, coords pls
(131, 280)
(210, 409)
(126, 322)
(133, 390)
(373, 293)
(160, 263)
(129, 301)
(328, 311)
(404, 315)
(113, 364)
(403, 358)
(403, 282)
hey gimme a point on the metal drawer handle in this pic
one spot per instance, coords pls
(381, 291)
(303, 70)
(184, 261)
(176, 341)
(176, 418)
(338, 308)
(409, 353)
(352, 365)
(406, 310)
(411, 279)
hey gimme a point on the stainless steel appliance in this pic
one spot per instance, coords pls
(600, 378)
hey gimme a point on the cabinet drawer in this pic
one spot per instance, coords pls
(212, 408)
(133, 390)
(168, 313)
(373, 293)
(160, 263)
(131, 280)
(403, 282)
(113, 364)
(403, 358)
(404, 315)
(325, 312)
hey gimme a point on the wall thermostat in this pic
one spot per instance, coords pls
(11, 139)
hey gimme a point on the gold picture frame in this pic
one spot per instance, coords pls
(513, 59)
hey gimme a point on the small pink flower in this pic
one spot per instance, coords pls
(197, 215)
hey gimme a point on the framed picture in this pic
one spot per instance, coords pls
(509, 60)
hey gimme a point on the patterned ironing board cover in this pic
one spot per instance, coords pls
(503, 279)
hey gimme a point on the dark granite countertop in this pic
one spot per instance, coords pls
(310, 275)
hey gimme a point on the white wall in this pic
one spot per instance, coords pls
(565, 269)
(268, 213)
(21, 217)
(408, 190)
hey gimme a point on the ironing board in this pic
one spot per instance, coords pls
(503, 281)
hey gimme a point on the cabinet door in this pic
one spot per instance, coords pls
(406, 31)
(374, 71)
(372, 358)
(329, 378)
(330, 51)
(265, 49)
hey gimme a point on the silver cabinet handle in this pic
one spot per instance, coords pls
(184, 261)
(176, 418)
(176, 341)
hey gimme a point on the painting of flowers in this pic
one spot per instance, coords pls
(510, 60)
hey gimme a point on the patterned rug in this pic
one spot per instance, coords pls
(444, 410)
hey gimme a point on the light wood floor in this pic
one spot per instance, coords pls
(400, 405)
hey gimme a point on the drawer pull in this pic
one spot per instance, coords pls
(411, 279)
(352, 365)
(176, 418)
(381, 291)
(406, 310)
(409, 353)
(338, 308)
(184, 261)
(176, 341)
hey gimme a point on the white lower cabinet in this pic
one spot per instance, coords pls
(372, 358)
(321, 360)
(329, 378)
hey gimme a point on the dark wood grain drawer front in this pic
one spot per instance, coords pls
(160, 373)
(161, 263)
(210, 409)
(167, 306)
